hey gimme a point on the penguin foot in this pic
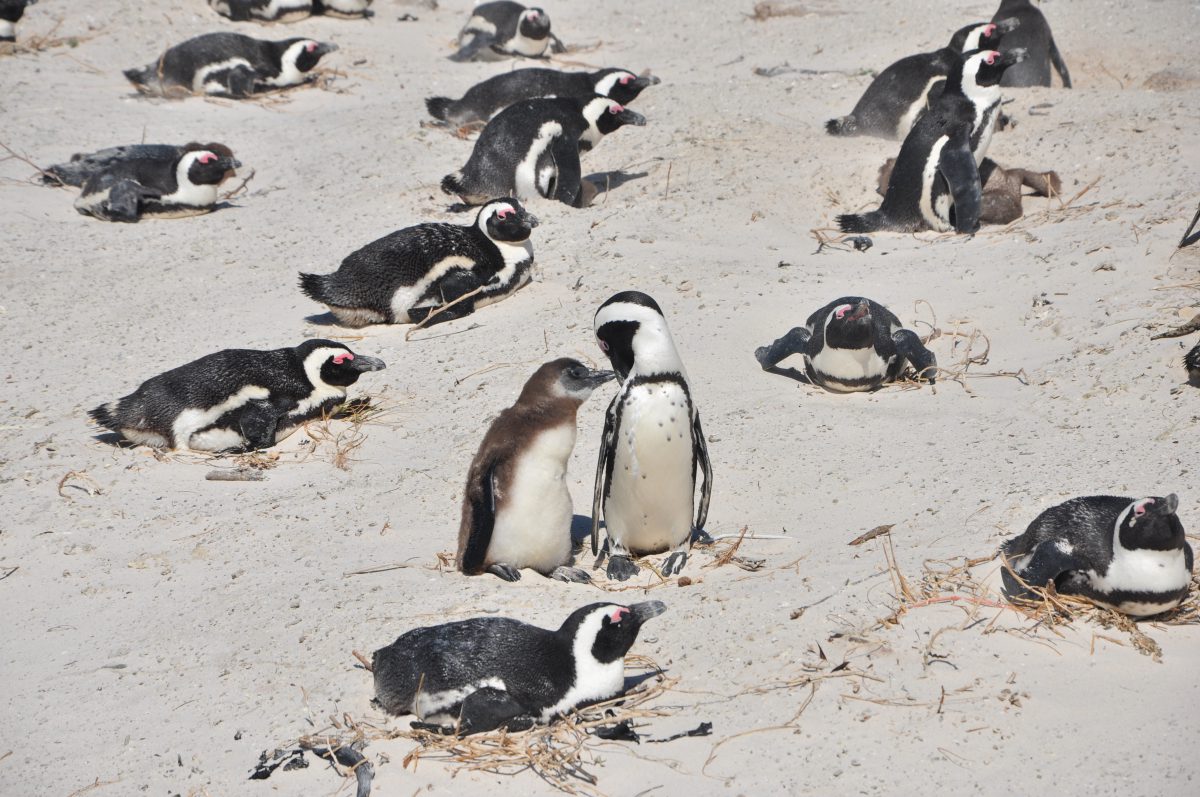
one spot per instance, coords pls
(763, 355)
(674, 564)
(701, 537)
(621, 567)
(506, 572)
(574, 574)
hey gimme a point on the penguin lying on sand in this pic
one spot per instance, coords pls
(408, 275)
(484, 100)
(153, 181)
(935, 184)
(517, 510)
(237, 399)
(289, 10)
(84, 164)
(899, 94)
(499, 29)
(11, 12)
(490, 672)
(1035, 38)
(1002, 189)
(852, 344)
(652, 442)
(229, 65)
(532, 149)
(1125, 554)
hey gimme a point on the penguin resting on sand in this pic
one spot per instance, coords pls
(131, 188)
(1125, 554)
(516, 510)
(504, 28)
(484, 673)
(1003, 193)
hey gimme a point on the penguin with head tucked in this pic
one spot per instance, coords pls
(229, 65)
(237, 399)
(1126, 554)
(504, 28)
(652, 443)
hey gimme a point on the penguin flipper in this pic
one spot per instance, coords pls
(481, 498)
(258, 421)
(909, 346)
(700, 446)
(479, 41)
(488, 708)
(958, 167)
(603, 471)
(556, 45)
(125, 199)
(1047, 563)
(568, 189)
(794, 342)
(453, 288)
(1059, 64)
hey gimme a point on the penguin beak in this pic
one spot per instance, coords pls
(628, 117)
(1008, 25)
(230, 163)
(530, 220)
(595, 379)
(324, 48)
(644, 611)
(1014, 56)
(362, 363)
(645, 80)
(1168, 505)
(861, 310)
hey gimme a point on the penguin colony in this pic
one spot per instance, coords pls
(1126, 553)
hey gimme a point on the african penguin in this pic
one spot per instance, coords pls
(490, 672)
(1127, 554)
(532, 149)
(344, 9)
(1191, 361)
(505, 28)
(11, 12)
(852, 344)
(263, 10)
(1035, 38)
(935, 183)
(237, 399)
(181, 183)
(484, 100)
(899, 94)
(412, 275)
(1003, 189)
(516, 510)
(652, 442)
(229, 65)
(84, 164)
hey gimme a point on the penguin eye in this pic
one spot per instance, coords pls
(990, 58)
(625, 80)
(207, 158)
(338, 359)
(311, 46)
(615, 109)
(618, 615)
(503, 214)
(603, 345)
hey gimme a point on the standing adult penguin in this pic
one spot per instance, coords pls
(852, 344)
(237, 399)
(652, 442)
(490, 672)
(229, 65)
(935, 183)
(484, 100)
(517, 510)
(431, 272)
(532, 149)
(504, 28)
(1123, 553)
(11, 12)
(899, 95)
(1034, 37)
(129, 189)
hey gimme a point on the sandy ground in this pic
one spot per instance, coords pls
(161, 630)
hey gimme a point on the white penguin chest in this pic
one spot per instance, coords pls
(534, 510)
(523, 45)
(1143, 570)
(845, 367)
(649, 503)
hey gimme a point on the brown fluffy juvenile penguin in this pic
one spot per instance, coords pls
(516, 510)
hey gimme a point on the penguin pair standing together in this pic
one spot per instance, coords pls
(501, 29)
(517, 509)
(230, 65)
(147, 180)
(289, 10)
(532, 149)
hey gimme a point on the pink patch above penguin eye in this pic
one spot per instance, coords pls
(619, 614)
(503, 214)
(615, 109)
(626, 80)
(311, 46)
(989, 30)
(207, 158)
(338, 359)
(841, 311)
(990, 58)
(1140, 509)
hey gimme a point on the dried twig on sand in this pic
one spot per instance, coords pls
(441, 309)
(1181, 330)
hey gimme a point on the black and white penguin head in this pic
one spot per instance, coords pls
(206, 164)
(330, 364)
(982, 70)
(299, 56)
(621, 85)
(982, 35)
(1150, 523)
(534, 23)
(504, 220)
(849, 325)
(602, 633)
(632, 331)
(604, 115)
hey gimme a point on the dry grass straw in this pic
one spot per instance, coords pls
(772, 10)
(343, 439)
(49, 40)
(967, 341)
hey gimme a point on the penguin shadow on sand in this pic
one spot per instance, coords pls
(603, 182)
(791, 373)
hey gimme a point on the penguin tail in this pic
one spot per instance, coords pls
(105, 415)
(314, 287)
(452, 184)
(861, 222)
(439, 107)
(845, 126)
(143, 76)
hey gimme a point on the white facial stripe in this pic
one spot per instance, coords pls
(187, 192)
(972, 42)
(593, 679)
(289, 73)
(608, 82)
(489, 211)
(982, 96)
(653, 347)
(322, 392)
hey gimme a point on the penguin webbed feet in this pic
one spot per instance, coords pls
(674, 564)
(505, 571)
(621, 567)
(258, 423)
(909, 346)
(556, 45)
(575, 575)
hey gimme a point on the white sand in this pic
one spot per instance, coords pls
(148, 624)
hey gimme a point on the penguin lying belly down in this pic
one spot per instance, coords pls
(237, 399)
